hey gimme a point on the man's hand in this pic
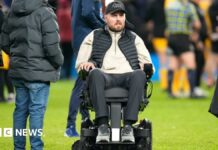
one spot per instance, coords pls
(86, 66)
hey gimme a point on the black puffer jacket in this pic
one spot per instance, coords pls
(30, 36)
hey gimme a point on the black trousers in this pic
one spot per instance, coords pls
(5, 81)
(200, 62)
(134, 82)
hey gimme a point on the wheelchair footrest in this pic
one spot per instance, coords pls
(115, 143)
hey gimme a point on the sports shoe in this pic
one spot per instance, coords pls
(71, 132)
(103, 133)
(127, 134)
(198, 93)
(11, 98)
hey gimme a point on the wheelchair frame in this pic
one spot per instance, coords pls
(89, 129)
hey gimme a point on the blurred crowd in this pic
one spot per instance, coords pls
(180, 75)
(184, 36)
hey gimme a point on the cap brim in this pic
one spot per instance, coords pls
(111, 12)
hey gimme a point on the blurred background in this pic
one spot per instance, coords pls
(149, 19)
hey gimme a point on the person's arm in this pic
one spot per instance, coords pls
(51, 39)
(196, 24)
(82, 61)
(143, 53)
(91, 15)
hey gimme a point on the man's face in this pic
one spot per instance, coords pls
(115, 21)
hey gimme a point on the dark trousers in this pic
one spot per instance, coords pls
(133, 81)
(200, 62)
(5, 80)
(74, 105)
(68, 56)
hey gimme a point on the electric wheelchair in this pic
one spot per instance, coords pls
(116, 98)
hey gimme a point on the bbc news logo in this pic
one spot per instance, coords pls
(8, 132)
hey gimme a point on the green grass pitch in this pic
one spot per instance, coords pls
(181, 124)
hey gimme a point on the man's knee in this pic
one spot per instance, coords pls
(138, 77)
(95, 74)
(96, 77)
(138, 74)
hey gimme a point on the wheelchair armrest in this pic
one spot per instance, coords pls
(148, 69)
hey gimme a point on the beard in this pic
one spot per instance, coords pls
(116, 29)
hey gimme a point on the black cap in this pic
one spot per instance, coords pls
(114, 7)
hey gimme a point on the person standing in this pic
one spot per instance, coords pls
(180, 16)
(30, 36)
(156, 14)
(85, 18)
(64, 21)
(213, 16)
(199, 49)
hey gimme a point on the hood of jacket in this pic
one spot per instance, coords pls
(25, 7)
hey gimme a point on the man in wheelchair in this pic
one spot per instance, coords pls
(114, 57)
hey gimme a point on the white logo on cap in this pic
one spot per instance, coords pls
(117, 5)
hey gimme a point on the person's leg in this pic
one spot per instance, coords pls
(136, 85)
(10, 87)
(74, 105)
(96, 83)
(173, 66)
(38, 93)
(20, 114)
(9, 83)
(68, 54)
(188, 59)
(174, 63)
(200, 61)
(2, 98)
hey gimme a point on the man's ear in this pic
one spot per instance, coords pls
(105, 18)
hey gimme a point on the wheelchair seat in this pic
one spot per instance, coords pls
(116, 94)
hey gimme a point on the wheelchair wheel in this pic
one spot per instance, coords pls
(76, 145)
(84, 144)
(88, 143)
(144, 144)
